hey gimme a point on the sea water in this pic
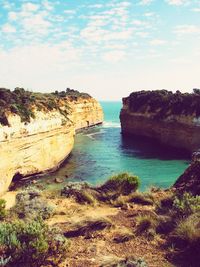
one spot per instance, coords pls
(102, 151)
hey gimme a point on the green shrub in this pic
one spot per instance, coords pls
(30, 205)
(123, 184)
(2, 209)
(31, 244)
(186, 205)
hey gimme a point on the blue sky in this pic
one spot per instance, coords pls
(107, 48)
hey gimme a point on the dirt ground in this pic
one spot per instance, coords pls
(100, 248)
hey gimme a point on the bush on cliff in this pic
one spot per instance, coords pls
(30, 205)
(120, 184)
(81, 192)
(31, 244)
(186, 205)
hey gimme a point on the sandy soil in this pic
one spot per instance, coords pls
(10, 199)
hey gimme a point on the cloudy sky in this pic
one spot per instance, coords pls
(105, 47)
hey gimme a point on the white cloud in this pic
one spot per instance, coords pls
(149, 14)
(178, 2)
(123, 32)
(114, 56)
(145, 2)
(142, 34)
(38, 63)
(96, 6)
(12, 15)
(7, 5)
(138, 22)
(7, 28)
(98, 35)
(187, 29)
(32, 21)
(30, 7)
(69, 11)
(157, 42)
(47, 5)
(36, 24)
(196, 9)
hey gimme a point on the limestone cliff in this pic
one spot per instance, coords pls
(85, 112)
(172, 119)
(40, 142)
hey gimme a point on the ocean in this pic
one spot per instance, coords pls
(102, 151)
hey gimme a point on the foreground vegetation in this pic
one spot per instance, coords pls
(23, 102)
(109, 225)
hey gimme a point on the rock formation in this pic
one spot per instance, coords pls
(189, 181)
(37, 137)
(170, 118)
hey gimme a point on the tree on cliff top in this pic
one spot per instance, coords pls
(163, 103)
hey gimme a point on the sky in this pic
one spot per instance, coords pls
(107, 48)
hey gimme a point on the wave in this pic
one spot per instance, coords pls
(91, 135)
(111, 124)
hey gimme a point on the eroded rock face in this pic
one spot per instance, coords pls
(43, 143)
(175, 124)
(189, 181)
(85, 113)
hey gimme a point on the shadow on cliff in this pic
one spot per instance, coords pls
(147, 148)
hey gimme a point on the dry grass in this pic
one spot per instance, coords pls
(87, 227)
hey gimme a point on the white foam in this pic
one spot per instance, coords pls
(110, 124)
(91, 136)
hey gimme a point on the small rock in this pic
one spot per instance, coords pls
(93, 249)
(59, 180)
(125, 206)
(62, 213)
(34, 182)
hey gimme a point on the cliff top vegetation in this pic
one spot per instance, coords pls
(164, 103)
(23, 102)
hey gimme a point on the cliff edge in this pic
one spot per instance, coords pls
(189, 181)
(170, 118)
(37, 130)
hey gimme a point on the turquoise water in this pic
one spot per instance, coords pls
(102, 151)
